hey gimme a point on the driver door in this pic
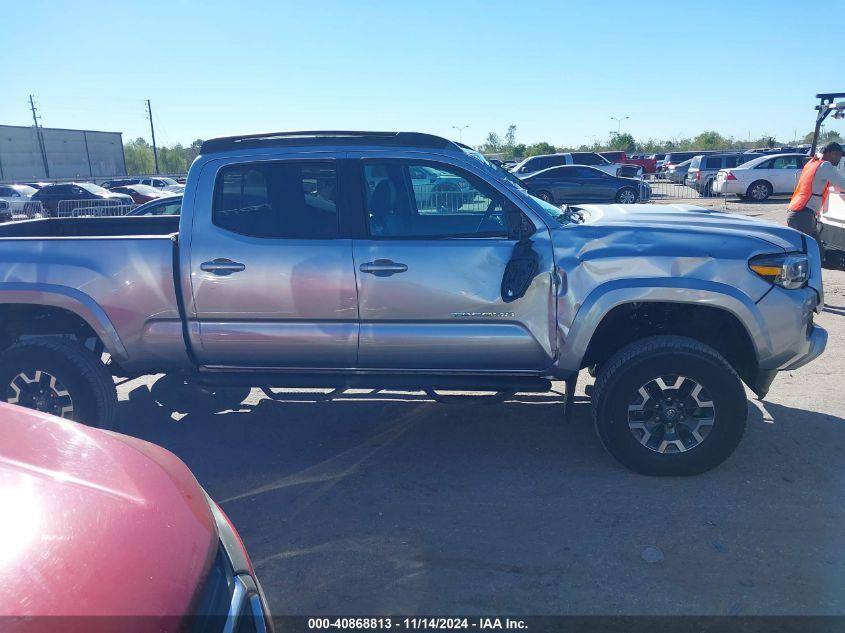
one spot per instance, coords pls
(429, 275)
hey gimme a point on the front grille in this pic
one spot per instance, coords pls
(229, 601)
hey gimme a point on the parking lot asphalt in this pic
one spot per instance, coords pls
(388, 503)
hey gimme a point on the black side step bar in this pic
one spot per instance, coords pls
(375, 381)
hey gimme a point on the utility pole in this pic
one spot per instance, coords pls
(40, 138)
(153, 132)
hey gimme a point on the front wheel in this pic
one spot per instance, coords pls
(669, 405)
(627, 195)
(59, 376)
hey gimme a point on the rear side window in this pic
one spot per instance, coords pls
(733, 161)
(786, 162)
(712, 163)
(587, 158)
(277, 200)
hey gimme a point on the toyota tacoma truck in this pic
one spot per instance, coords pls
(316, 259)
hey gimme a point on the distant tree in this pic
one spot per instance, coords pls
(493, 144)
(540, 148)
(710, 140)
(171, 160)
(624, 142)
(192, 151)
(518, 150)
(139, 157)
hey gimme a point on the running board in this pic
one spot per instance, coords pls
(375, 381)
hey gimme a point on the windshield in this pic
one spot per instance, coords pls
(144, 189)
(24, 190)
(500, 171)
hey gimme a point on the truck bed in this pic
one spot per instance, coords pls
(130, 226)
(116, 273)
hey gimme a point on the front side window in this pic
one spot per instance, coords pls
(414, 200)
(277, 200)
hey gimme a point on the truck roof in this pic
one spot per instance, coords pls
(326, 137)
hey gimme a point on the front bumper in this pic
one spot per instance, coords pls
(817, 343)
(794, 339)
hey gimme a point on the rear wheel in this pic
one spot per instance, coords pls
(61, 377)
(627, 195)
(758, 191)
(669, 405)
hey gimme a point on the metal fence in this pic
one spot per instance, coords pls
(30, 210)
(92, 208)
(673, 186)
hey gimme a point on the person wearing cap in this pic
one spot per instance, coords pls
(809, 200)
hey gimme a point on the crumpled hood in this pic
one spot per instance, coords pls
(696, 222)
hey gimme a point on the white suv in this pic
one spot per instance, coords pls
(534, 164)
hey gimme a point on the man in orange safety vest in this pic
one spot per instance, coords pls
(810, 198)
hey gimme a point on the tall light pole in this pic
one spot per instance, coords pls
(460, 129)
(619, 120)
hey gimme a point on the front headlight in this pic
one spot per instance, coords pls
(787, 270)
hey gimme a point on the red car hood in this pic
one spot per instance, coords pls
(96, 523)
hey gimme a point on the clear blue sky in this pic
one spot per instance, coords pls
(557, 70)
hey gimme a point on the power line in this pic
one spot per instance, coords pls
(153, 133)
(39, 136)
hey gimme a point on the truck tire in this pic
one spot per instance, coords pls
(59, 376)
(669, 406)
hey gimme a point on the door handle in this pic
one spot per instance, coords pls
(222, 266)
(383, 268)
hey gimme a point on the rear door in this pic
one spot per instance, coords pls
(561, 182)
(271, 274)
(429, 275)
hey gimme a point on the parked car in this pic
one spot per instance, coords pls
(761, 177)
(119, 182)
(357, 286)
(142, 193)
(439, 189)
(646, 165)
(105, 524)
(36, 185)
(702, 171)
(576, 183)
(160, 182)
(677, 173)
(534, 164)
(6, 214)
(676, 158)
(165, 205)
(51, 195)
(658, 161)
(16, 195)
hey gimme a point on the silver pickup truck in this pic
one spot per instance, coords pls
(405, 260)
